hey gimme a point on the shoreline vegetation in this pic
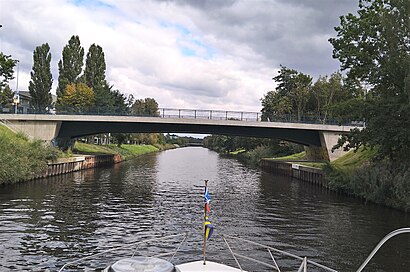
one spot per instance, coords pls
(23, 159)
(357, 174)
(127, 151)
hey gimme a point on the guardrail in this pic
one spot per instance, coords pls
(211, 115)
(270, 250)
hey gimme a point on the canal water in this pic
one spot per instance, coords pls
(46, 223)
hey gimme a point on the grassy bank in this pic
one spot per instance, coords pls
(126, 151)
(382, 182)
(21, 158)
(357, 174)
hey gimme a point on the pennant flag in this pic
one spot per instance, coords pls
(207, 199)
(209, 228)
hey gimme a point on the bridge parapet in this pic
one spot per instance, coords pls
(62, 129)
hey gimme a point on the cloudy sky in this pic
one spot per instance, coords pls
(197, 54)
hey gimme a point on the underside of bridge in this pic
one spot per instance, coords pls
(73, 130)
(316, 142)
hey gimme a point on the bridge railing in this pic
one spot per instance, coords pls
(210, 115)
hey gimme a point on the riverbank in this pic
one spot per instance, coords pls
(126, 151)
(355, 174)
(23, 159)
(91, 156)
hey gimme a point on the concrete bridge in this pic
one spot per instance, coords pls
(63, 129)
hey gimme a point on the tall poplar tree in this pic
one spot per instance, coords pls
(94, 73)
(71, 64)
(41, 79)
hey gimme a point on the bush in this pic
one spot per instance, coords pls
(384, 183)
(21, 159)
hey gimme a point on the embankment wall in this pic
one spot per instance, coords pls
(294, 170)
(67, 165)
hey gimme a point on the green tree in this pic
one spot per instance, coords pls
(6, 96)
(138, 108)
(291, 95)
(145, 107)
(373, 47)
(6, 69)
(119, 102)
(71, 64)
(109, 101)
(41, 79)
(326, 92)
(151, 107)
(78, 97)
(94, 72)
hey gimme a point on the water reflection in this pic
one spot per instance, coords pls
(45, 223)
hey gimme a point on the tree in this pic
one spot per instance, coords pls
(6, 69)
(151, 107)
(41, 79)
(78, 97)
(6, 96)
(71, 64)
(373, 47)
(145, 107)
(326, 92)
(290, 96)
(94, 73)
(109, 101)
(119, 102)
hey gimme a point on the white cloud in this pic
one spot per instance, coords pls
(183, 54)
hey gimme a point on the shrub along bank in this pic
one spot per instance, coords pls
(383, 182)
(20, 158)
(23, 159)
(126, 151)
(358, 174)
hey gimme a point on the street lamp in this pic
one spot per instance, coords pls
(17, 96)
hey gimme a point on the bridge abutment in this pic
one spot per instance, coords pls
(42, 130)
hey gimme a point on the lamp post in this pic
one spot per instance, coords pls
(17, 96)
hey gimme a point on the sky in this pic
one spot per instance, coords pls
(199, 54)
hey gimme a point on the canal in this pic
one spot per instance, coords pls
(45, 223)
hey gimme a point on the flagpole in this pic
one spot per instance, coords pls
(206, 185)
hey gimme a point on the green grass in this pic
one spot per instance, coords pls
(5, 131)
(313, 164)
(350, 160)
(21, 158)
(354, 159)
(293, 157)
(93, 149)
(126, 150)
(236, 152)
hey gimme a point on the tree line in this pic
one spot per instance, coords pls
(297, 98)
(79, 90)
(373, 48)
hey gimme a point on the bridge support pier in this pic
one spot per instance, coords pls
(324, 152)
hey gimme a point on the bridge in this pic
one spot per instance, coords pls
(63, 129)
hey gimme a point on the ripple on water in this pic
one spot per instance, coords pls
(45, 223)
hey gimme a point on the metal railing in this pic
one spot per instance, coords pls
(380, 244)
(210, 115)
(303, 266)
(270, 250)
(134, 245)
